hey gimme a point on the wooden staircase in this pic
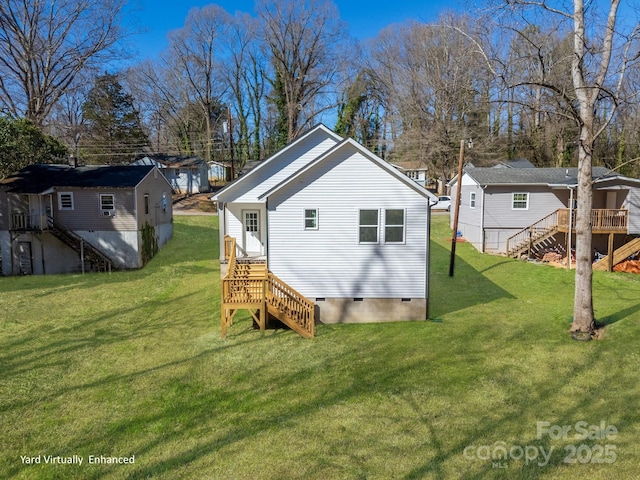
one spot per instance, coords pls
(87, 251)
(630, 248)
(530, 238)
(250, 286)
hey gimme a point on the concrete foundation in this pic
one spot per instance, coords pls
(369, 310)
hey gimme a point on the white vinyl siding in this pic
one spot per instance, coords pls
(276, 170)
(470, 221)
(332, 262)
(500, 220)
(235, 227)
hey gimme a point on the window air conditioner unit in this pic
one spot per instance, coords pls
(108, 213)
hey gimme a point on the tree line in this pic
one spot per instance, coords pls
(255, 80)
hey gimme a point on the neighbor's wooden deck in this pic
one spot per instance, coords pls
(602, 220)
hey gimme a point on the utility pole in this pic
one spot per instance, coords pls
(233, 174)
(454, 238)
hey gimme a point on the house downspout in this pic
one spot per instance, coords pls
(482, 220)
(222, 228)
(570, 229)
(266, 225)
(428, 261)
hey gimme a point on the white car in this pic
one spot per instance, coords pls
(443, 203)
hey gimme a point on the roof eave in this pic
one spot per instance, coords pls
(241, 179)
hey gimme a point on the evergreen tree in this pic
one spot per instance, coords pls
(114, 131)
(22, 144)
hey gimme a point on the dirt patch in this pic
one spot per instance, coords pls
(195, 204)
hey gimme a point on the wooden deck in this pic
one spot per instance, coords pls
(603, 221)
(250, 286)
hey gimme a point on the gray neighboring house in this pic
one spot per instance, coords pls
(186, 175)
(63, 219)
(506, 209)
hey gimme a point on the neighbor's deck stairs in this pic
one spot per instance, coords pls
(628, 249)
(537, 237)
(91, 254)
(249, 285)
(534, 237)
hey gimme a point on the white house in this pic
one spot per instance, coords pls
(188, 175)
(357, 248)
(218, 172)
(416, 172)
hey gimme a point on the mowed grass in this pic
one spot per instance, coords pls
(132, 363)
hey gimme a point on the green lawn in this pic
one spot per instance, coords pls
(132, 364)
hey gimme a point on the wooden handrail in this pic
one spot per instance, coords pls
(295, 305)
(230, 255)
(247, 287)
(24, 221)
(524, 235)
(229, 247)
(242, 291)
(604, 219)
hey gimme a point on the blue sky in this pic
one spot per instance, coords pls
(365, 18)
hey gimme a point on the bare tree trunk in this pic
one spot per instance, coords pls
(587, 94)
(583, 316)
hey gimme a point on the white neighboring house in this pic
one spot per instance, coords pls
(338, 224)
(188, 175)
(415, 172)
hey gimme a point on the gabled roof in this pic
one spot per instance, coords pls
(171, 161)
(410, 165)
(516, 163)
(248, 177)
(250, 165)
(531, 176)
(41, 178)
(346, 143)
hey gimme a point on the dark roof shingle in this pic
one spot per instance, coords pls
(529, 176)
(40, 178)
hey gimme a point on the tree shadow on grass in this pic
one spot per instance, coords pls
(202, 422)
(170, 434)
(623, 314)
(467, 288)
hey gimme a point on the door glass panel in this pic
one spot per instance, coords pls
(251, 222)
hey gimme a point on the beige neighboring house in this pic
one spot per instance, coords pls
(63, 219)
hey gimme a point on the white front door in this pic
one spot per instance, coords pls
(251, 228)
